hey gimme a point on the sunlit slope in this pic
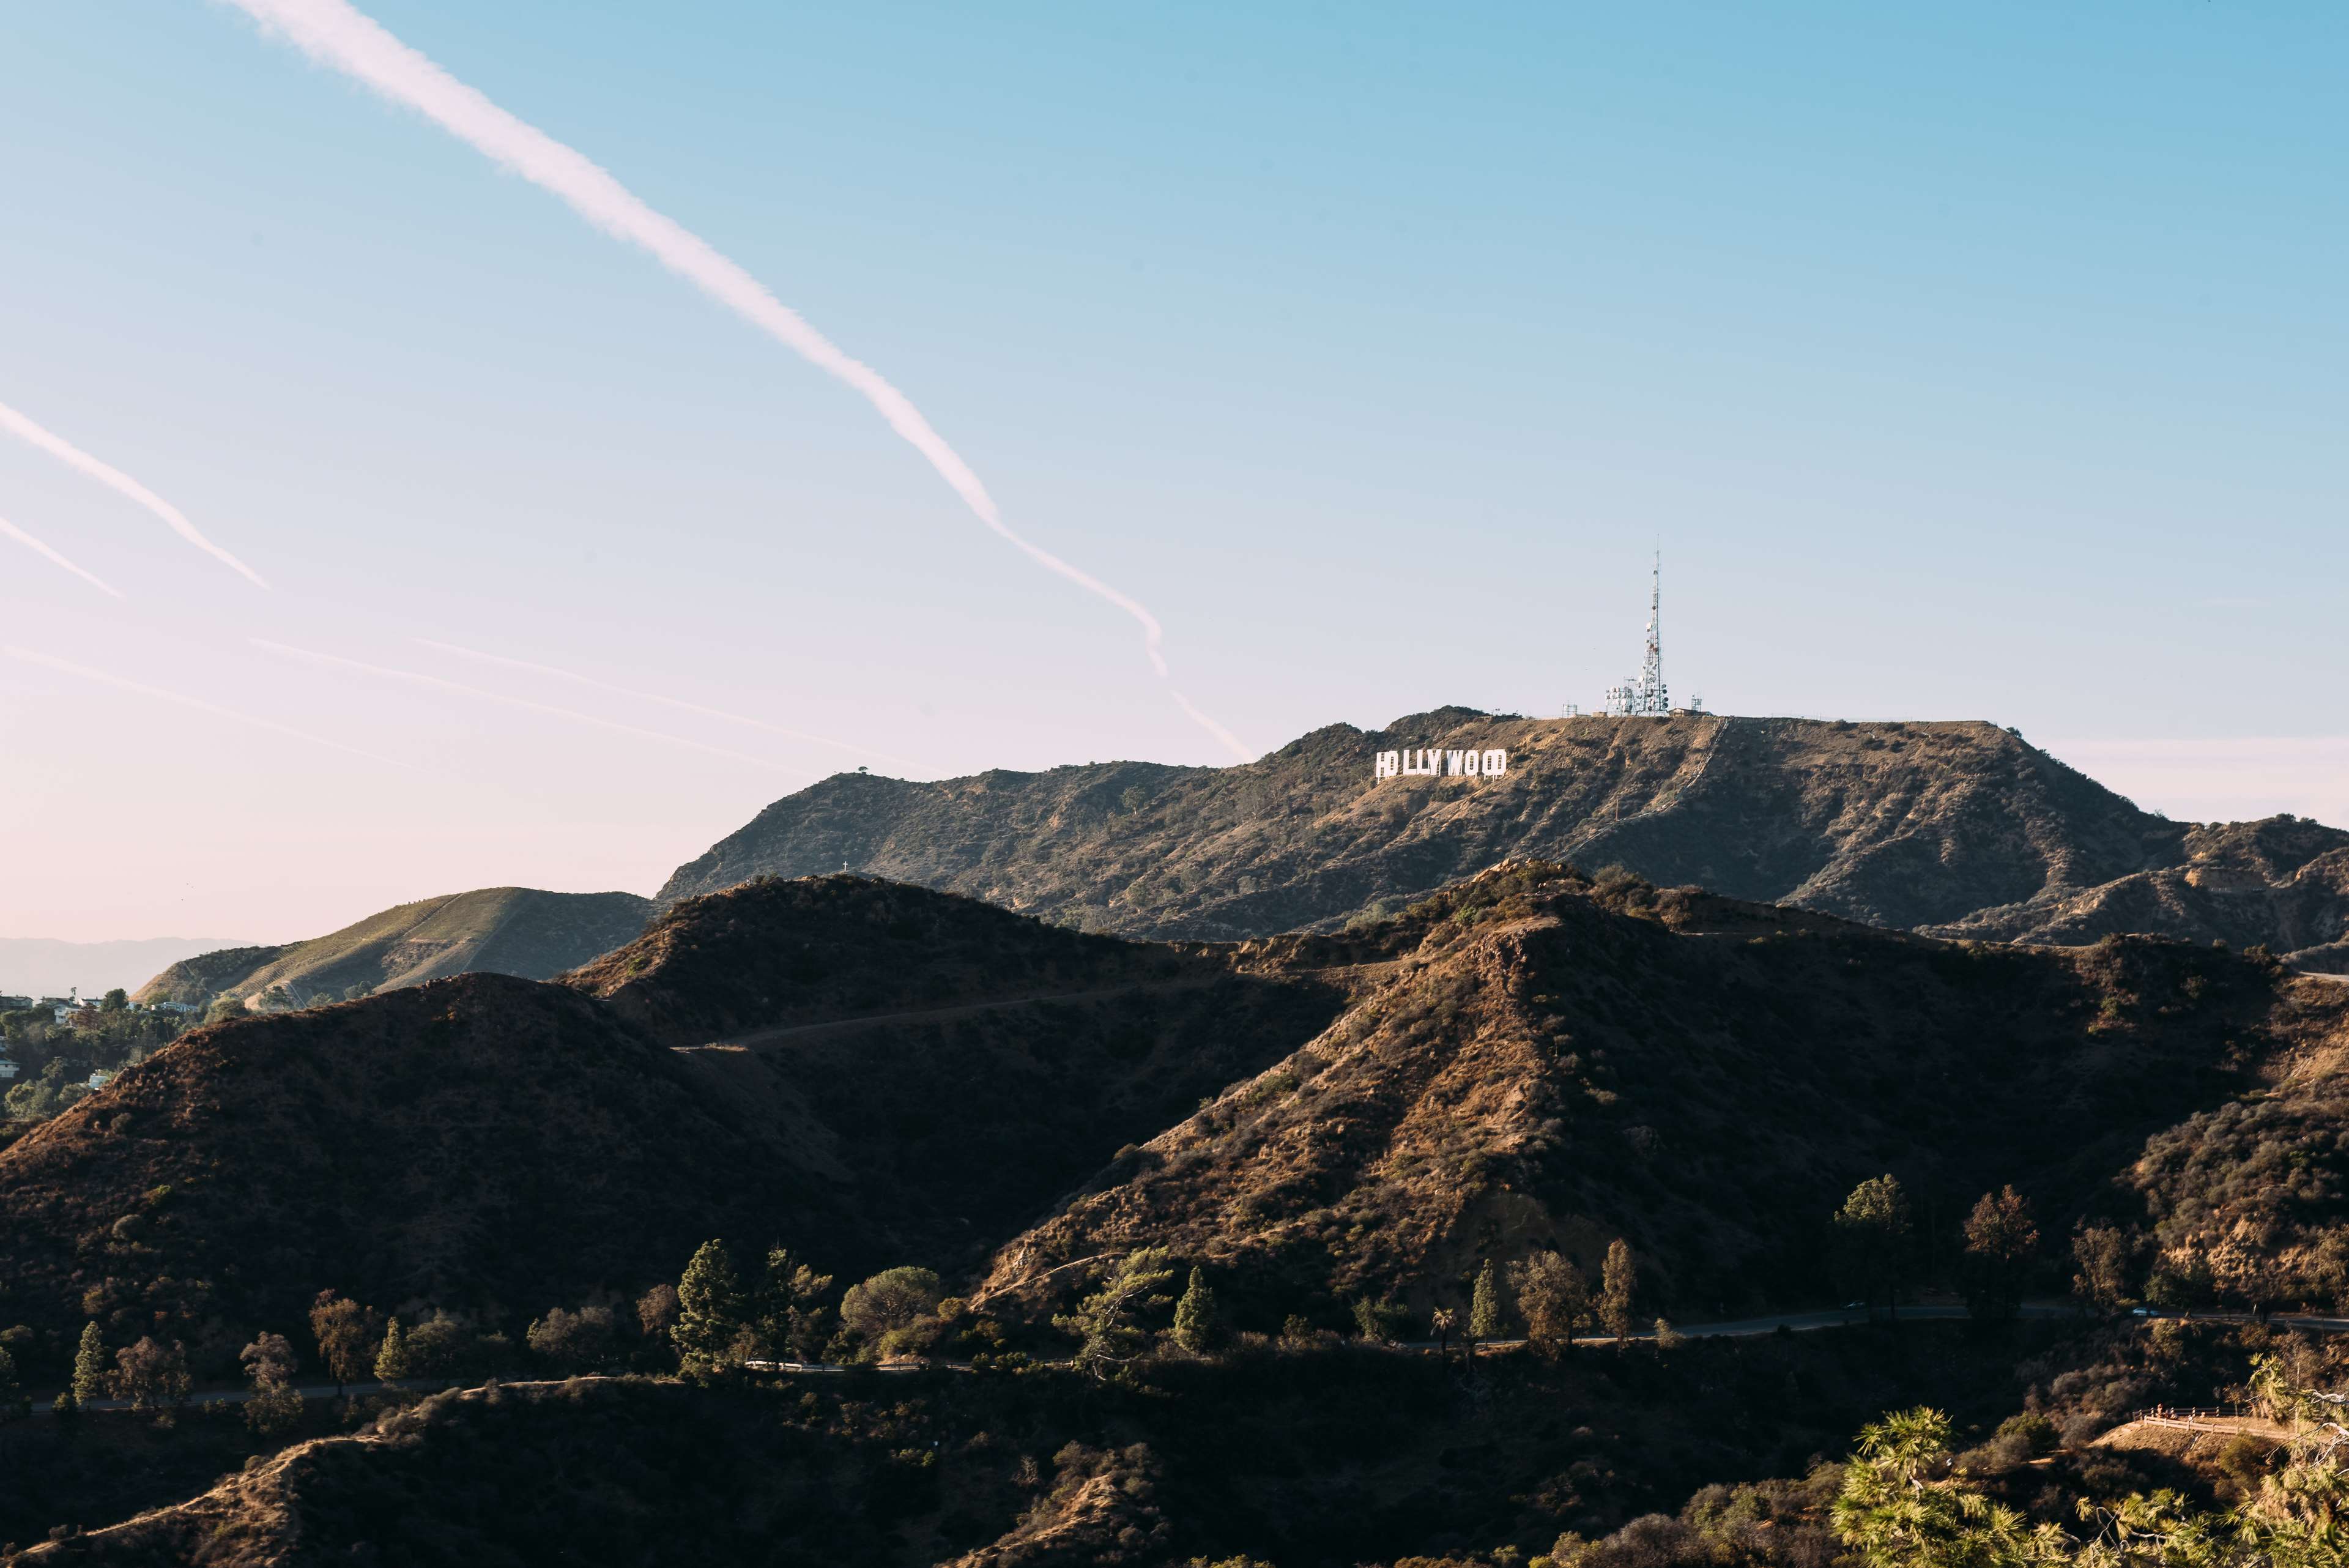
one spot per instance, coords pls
(1931, 826)
(497, 931)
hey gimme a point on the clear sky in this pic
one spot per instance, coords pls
(1974, 362)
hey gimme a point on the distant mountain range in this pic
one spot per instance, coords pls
(42, 966)
(1954, 829)
(498, 930)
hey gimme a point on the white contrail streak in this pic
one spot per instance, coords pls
(51, 662)
(114, 479)
(656, 697)
(334, 33)
(415, 678)
(13, 532)
(1225, 736)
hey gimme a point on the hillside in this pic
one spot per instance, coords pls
(491, 1143)
(1960, 827)
(479, 1142)
(879, 1073)
(1558, 1064)
(494, 930)
(950, 1066)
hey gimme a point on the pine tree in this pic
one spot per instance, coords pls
(2001, 1243)
(709, 1311)
(1198, 1325)
(393, 1363)
(1485, 1317)
(1106, 1322)
(89, 1366)
(788, 1310)
(1873, 1227)
(1618, 1282)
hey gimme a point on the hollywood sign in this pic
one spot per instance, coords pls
(1426, 763)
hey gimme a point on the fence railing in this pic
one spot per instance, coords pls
(2187, 1415)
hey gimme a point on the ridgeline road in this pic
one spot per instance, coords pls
(762, 1039)
(759, 1039)
(1736, 1328)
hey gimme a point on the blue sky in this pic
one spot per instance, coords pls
(1967, 362)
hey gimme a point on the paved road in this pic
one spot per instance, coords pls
(43, 1404)
(1734, 1328)
(759, 1038)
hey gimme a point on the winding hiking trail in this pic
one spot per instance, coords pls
(1350, 976)
(767, 1039)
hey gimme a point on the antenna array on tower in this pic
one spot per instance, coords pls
(1647, 695)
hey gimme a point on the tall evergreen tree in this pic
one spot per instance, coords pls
(1487, 1319)
(393, 1363)
(1106, 1322)
(89, 1366)
(788, 1310)
(710, 1312)
(1619, 1282)
(1198, 1321)
(1873, 1227)
(2001, 1243)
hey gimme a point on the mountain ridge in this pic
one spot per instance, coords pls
(1958, 828)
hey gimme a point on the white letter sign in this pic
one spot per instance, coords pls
(1428, 762)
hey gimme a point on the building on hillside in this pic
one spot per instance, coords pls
(8, 1065)
(100, 1077)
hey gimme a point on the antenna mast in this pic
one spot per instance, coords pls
(1647, 695)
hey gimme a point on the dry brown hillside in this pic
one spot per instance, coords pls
(1558, 1064)
(949, 1067)
(1907, 826)
(481, 1142)
(494, 1144)
(490, 931)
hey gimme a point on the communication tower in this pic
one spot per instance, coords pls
(1646, 695)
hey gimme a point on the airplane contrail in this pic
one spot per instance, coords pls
(114, 479)
(416, 678)
(13, 532)
(657, 697)
(1225, 736)
(336, 33)
(51, 662)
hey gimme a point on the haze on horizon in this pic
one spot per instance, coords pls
(1966, 365)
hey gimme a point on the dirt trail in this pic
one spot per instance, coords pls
(763, 1039)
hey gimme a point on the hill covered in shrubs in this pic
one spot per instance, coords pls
(1557, 1064)
(1960, 829)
